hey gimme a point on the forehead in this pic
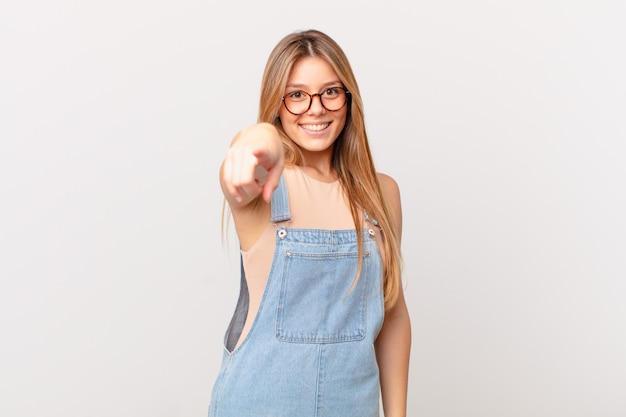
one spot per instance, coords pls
(311, 71)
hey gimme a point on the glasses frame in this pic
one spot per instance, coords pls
(321, 101)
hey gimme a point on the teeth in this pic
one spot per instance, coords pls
(315, 127)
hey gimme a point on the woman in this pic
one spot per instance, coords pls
(321, 327)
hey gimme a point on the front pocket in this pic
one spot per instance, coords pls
(316, 303)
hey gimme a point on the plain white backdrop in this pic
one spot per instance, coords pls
(503, 123)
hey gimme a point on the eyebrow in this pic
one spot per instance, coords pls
(323, 85)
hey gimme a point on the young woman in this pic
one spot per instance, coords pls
(321, 327)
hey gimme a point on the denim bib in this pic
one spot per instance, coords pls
(310, 351)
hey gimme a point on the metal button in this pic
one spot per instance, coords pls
(282, 233)
(371, 232)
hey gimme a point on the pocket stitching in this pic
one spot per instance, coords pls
(336, 335)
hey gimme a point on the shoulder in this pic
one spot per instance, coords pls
(390, 187)
(391, 193)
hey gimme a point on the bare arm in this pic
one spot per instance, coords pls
(249, 174)
(252, 166)
(393, 344)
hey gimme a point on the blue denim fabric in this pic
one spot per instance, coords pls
(310, 349)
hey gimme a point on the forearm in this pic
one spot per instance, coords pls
(393, 347)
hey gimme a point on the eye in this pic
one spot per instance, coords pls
(296, 96)
(332, 92)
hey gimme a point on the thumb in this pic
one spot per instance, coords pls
(272, 180)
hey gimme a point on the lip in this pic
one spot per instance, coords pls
(315, 132)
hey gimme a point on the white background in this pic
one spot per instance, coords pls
(502, 121)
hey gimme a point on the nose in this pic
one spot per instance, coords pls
(316, 105)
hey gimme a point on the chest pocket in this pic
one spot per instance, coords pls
(316, 303)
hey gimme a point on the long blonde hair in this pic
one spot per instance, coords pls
(351, 156)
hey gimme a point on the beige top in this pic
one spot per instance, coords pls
(313, 204)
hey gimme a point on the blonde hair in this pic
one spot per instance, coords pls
(351, 156)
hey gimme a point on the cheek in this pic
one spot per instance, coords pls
(341, 120)
(289, 123)
(284, 115)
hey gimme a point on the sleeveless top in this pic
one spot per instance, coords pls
(302, 345)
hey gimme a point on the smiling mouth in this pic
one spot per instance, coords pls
(315, 127)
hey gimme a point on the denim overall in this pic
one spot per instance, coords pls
(310, 350)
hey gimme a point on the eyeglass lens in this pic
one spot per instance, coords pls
(299, 102)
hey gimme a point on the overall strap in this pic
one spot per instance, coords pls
(280, 203)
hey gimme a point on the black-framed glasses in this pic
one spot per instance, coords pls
(332, 99)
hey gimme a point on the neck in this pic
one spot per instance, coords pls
(324, 173)
(319, 163)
